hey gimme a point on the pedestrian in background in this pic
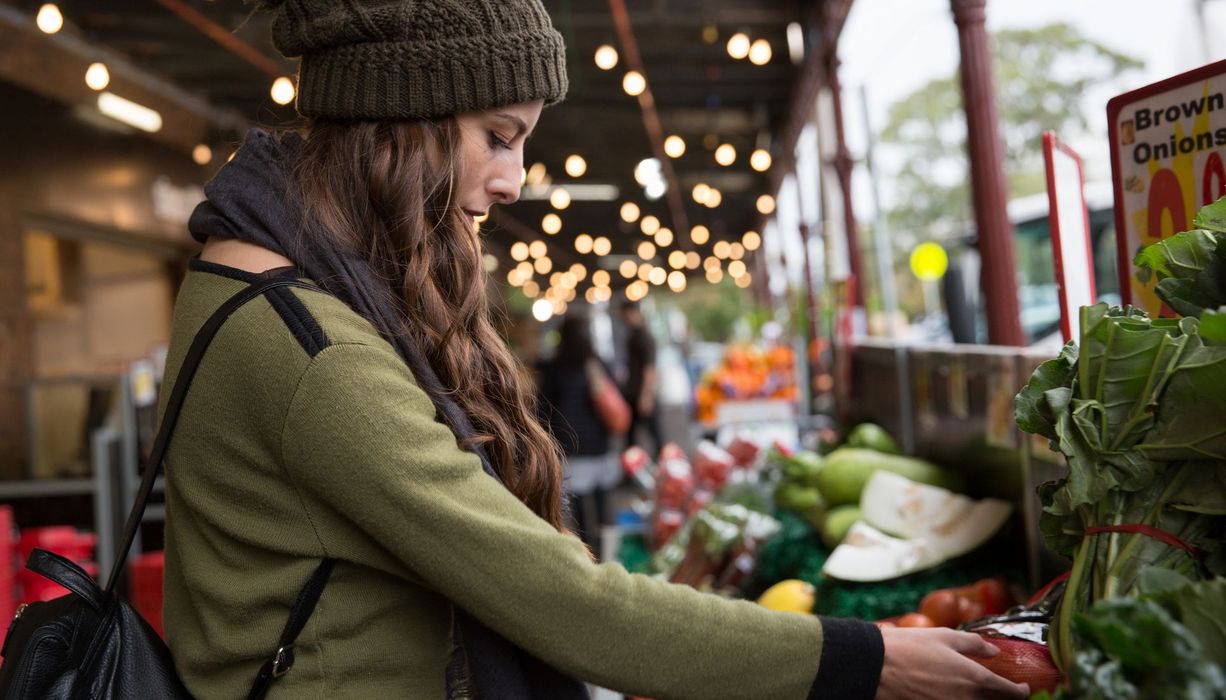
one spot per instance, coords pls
(569, 410)
(641, 378)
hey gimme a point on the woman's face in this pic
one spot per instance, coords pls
(492, 148)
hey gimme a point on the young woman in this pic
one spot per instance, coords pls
(380, 422)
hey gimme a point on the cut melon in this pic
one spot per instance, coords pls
(868, 554)
(932, 525)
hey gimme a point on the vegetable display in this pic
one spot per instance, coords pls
(1137, 408)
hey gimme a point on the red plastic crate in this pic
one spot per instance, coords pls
(146, 587)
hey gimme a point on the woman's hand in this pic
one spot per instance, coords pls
(933, 663)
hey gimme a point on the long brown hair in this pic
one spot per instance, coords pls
(385, 190)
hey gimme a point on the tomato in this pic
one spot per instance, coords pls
(994, 596)
(942, 608)
(969, 609)
(915, 620)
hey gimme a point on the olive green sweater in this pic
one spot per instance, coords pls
(304, 436)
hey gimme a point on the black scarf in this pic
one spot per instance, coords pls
(248, 200)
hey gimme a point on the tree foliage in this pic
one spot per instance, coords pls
(1041, 76)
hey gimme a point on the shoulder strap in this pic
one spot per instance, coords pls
(283, 659)
(191, 363)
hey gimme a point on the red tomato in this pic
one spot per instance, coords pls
(942, 608)
(915, 620)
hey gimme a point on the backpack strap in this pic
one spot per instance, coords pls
(308, 597)
(283, 659)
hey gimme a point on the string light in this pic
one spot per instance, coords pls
(630, 212)
(711, 263)
(282, 90)
(559, 198)
(700, 234)
(736, 251)
(514, 278)
(49, 19)
(721, 249)
(752, 240)
(578, 271)
(628, 269)
(97, 77)
(736, 268)
(766, 204)
(714, 197)
(202, 154)
(542, 310)
(738, 46)
(760, 52)
(647, 250)
(575, 166)
(551, 224)
(649, 225)
(676, 281)
(601, 278)
(537, 249)
(644, 271)
(543, 266)
(743, 281)
(583, 243)
(674, 146)
(658, 276)
(531, 289)
(700, 192)
(602, 246)
(725, 155)
(526, 270)
(664, 237)
(606, 57)
(676, 259)
(715, 275)
(634, 83)
(760, 160)
(692, 260)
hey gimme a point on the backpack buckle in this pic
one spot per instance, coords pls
(282, 661)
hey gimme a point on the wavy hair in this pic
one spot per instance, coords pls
(386, 191)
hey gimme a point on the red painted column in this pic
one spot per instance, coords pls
(999, 273)
(843, 164)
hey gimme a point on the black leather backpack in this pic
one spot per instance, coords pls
(91, 643)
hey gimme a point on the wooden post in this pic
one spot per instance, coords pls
(843, 164)
(999, 273)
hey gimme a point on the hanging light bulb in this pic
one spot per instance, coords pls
(202, 154)
(542, 310)
(664, 237)
(692, 260)
(537, 249)
(766, 205)
(736, 268)
(634, 83)
(721, 249)
(700, 192)
(674, 146)
(601, 278)
(97, 77)
(714, 197)
(647, 250)
(602, 246)
(628, 269)
(606, 57)
(760, 160)
(700, 234)
(649, 225)
(519, 251)
(630, 212)
(49, 19)
(760, 52)
(282, 90)
(658, 276)
(551, 224)
(583, 243)
(752, 240)
(559, 198)
(725, 155)
(738, 46)
(676, 281)
(676, 259)
(575, 165)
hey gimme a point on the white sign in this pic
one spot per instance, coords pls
(1070, 232)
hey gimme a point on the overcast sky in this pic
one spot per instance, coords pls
(895, 46)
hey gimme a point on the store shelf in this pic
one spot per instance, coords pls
(42, 488)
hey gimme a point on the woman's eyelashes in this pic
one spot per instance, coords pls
(497, 141)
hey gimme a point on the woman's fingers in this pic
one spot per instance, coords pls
(971, 644)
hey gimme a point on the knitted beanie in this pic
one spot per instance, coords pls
(405, 59)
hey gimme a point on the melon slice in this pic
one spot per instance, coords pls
(868, 554)
(932, 525)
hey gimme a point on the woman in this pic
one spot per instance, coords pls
(383, 424)
(567, 408)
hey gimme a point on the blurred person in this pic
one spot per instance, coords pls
(590, 471)
(641, 377)
(379, 425)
